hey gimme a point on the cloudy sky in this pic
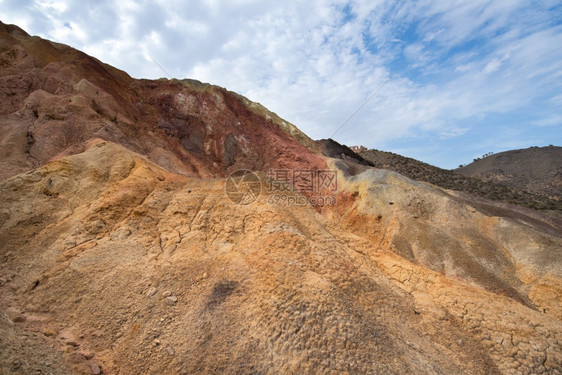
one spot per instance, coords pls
(447, 80)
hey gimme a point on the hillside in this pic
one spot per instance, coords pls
(535, 169)
(459, 180)
(124, 250)
(55, 98)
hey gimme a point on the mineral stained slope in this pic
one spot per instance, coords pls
(54, 99)
(116, 262)
(121, 253)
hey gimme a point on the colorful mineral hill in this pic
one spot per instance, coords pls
(174, 227)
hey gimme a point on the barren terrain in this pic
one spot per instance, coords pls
(121, 252)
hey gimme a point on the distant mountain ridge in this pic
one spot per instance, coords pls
(536, 169)
(461, 180)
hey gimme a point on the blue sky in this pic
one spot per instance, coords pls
(467, 77)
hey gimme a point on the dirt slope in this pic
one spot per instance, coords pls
(268, 289)
(117, 263)
(535, 169)
(121, 252)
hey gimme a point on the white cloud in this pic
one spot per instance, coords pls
(51, 5)
(492, 66)
(553, 120)
(556, 101)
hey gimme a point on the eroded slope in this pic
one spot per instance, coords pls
(117, 263)
(54, 99)
(255, 288)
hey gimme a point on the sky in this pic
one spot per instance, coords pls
(443, 81)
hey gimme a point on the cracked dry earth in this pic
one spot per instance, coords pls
(111, 264)
(120, 252)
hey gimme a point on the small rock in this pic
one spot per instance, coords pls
(16, 364)
(20, 319)
(72, 343)
(96, 370)
(166, 294)
(170, 350)
(156, 342)
(49, 332)
(171, 300)
(89, 355)
(152, 291)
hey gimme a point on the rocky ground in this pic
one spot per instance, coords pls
(122, 253)
(127, 267)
